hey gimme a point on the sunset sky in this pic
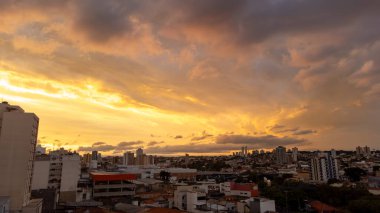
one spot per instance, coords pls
(197, 77)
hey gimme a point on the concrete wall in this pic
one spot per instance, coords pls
(40, 178)
(70, 172)
(69, 178)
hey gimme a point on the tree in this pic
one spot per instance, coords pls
(165, 176)
(354, 173)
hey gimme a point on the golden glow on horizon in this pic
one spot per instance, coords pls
(88, 102)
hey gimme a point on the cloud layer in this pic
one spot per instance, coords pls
(277, 71)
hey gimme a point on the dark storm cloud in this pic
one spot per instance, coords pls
(101, 148)
(304, 132)
(178, 137)
(103, 20)
(247, 21)
(204, 136)
(191, 148)
(267, 141)
(154, 143)
(98, 143)
(104, 147)
(294, 131)
(128, 145)
(242, 20)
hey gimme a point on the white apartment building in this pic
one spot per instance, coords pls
(190, 198)
(60, 171)
(256, 205)
(324, 167)
(18, 138)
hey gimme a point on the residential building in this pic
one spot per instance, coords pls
(280, 155)
(256, 205)
(113, 184)
(295, 154)
(128, 158)
(239, 189)
(58, 171)
(324, 167)
(4, 204)
(86, 160)
(139, 156)
(190, 198)
(94, 160)
(363, 151)
(18, 138)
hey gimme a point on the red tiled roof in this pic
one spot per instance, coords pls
(245, 187)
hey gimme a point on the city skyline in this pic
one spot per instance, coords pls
(207, 79)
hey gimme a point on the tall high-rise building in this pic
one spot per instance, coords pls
(324, 168)
(295, 154)
(18, 138)
(94, 160)
(363, 151)
(139, 156)
(129, 158)
(86, 160)
(366, 151)
(280, 155)
(94, 155)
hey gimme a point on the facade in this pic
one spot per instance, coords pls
(128, 158)
(41, 172)
(49, 197)
(4, 204)
(295, 154)
(86, 160)
(374, 185)
(18, 138)
(60, 171)
(280, 155)
(70, 175)
(139, 156)
(261, 205)
(112, 184)
(324, 168)
(190, 198)
(239, 189)
(363, 151)
(94, 160)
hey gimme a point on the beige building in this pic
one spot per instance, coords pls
(59, 170)
(18, 138)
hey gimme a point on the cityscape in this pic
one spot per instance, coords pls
(189, 106)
